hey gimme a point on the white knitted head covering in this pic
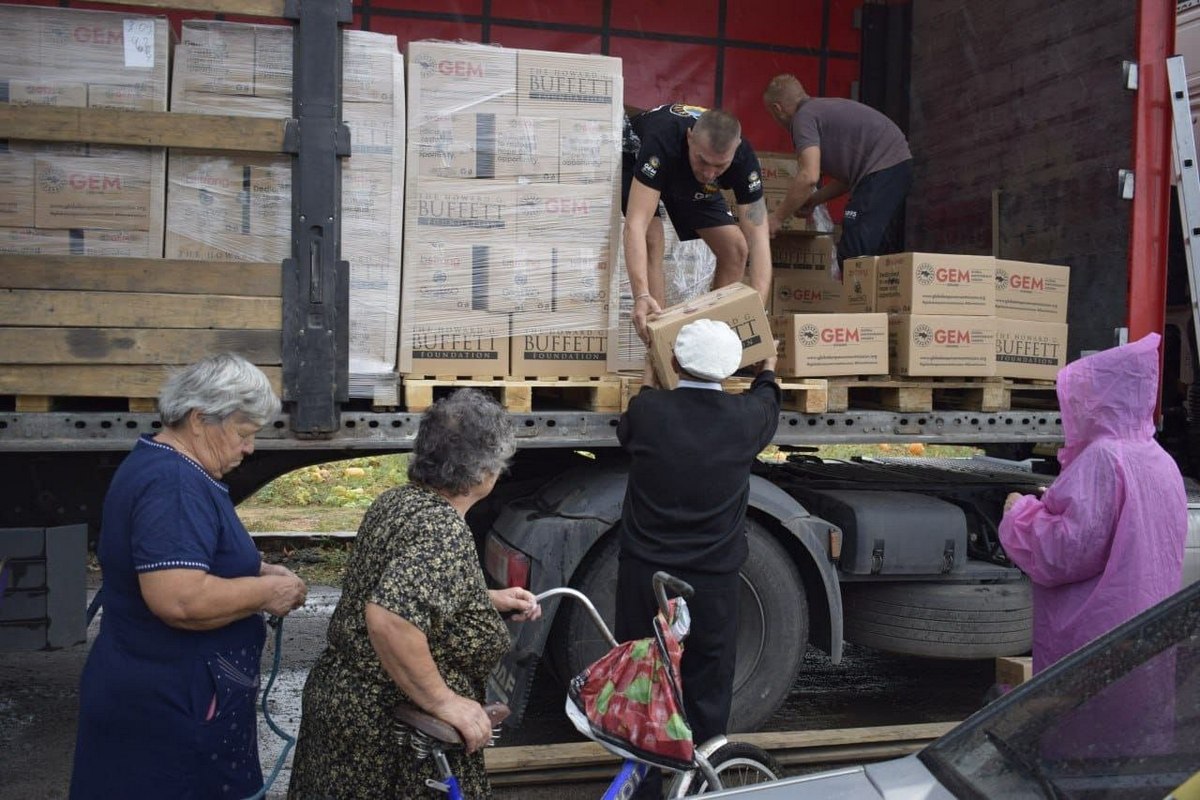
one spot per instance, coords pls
(708, 349)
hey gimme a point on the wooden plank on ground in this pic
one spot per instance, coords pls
(142, 128)
(90, 380)
(582, 754)
(21, 307)
(95, 273)
(134, 345)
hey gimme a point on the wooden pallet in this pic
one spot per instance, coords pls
(520, 395)
(806, 395)
(896, 393)
(1034, 395)
(46, 403)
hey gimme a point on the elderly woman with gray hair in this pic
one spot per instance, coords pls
(167, 696)
(416, 621)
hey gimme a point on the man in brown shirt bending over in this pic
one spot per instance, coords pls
(859, 149)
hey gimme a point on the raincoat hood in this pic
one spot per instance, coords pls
(1110, 394)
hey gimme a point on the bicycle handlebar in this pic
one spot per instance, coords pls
(591, 609)
(663, 581)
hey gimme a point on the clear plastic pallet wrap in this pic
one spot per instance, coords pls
(513, 208)
(68, 199)
(238, 206)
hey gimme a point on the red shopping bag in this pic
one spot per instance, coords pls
(629, 700)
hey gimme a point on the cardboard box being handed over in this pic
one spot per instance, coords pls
(737, 305)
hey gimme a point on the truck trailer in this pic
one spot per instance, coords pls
(1039, 133)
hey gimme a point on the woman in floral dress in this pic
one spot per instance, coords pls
(416, 622)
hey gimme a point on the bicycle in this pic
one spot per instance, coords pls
(717, 764)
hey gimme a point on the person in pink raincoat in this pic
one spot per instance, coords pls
(1105, 542)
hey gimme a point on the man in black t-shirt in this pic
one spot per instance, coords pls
(684, 155)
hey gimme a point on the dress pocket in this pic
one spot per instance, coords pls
(230, 687)
(226, 745)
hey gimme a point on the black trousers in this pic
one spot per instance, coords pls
(709, 651)
(874, 205)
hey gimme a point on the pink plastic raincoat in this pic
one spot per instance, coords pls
(1106, 540)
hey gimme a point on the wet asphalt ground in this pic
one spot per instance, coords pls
(39, 703)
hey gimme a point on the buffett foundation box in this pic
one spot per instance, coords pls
(33, 242)
(1036, 292)
(517, 279)
(569, 85)
(942, 345)
(563, 213)
(473, 343)
(814, 345)
(587, 151)
(795, 291)
(115, 189)
(235, 207)
(858, 283)
(16, 188)
(526, 149)
(542, 347)
(737, 305)
(935, 283)
(447, 78)
(439, 275)
(475, 211)
(1030, 350)
(581, 277)
(797, 251)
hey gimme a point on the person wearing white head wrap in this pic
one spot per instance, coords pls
(708, 349)
(691, 450)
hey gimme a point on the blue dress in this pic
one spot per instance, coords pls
(166, 712)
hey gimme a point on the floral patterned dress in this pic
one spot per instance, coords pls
(415, 556)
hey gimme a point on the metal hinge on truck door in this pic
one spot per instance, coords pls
(877, 557)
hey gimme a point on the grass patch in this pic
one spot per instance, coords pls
(848, 451)
(323, 497)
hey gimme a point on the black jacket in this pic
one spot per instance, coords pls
(691, 451)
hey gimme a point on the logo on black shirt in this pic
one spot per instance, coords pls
(684, 110)
(651, 166)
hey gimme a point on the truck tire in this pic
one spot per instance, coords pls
(940, 620)
(772, 625)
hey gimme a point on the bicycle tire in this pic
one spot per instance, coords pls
(736, 764)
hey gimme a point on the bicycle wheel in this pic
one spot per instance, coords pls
(736, 764)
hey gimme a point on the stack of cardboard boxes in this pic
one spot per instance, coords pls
(232, 206)
(512, 198)
(826, 323)
(959, 315)
(1031, 319)
(95, 200)
(941, 313)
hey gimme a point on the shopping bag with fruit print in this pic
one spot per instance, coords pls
(630, 700)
